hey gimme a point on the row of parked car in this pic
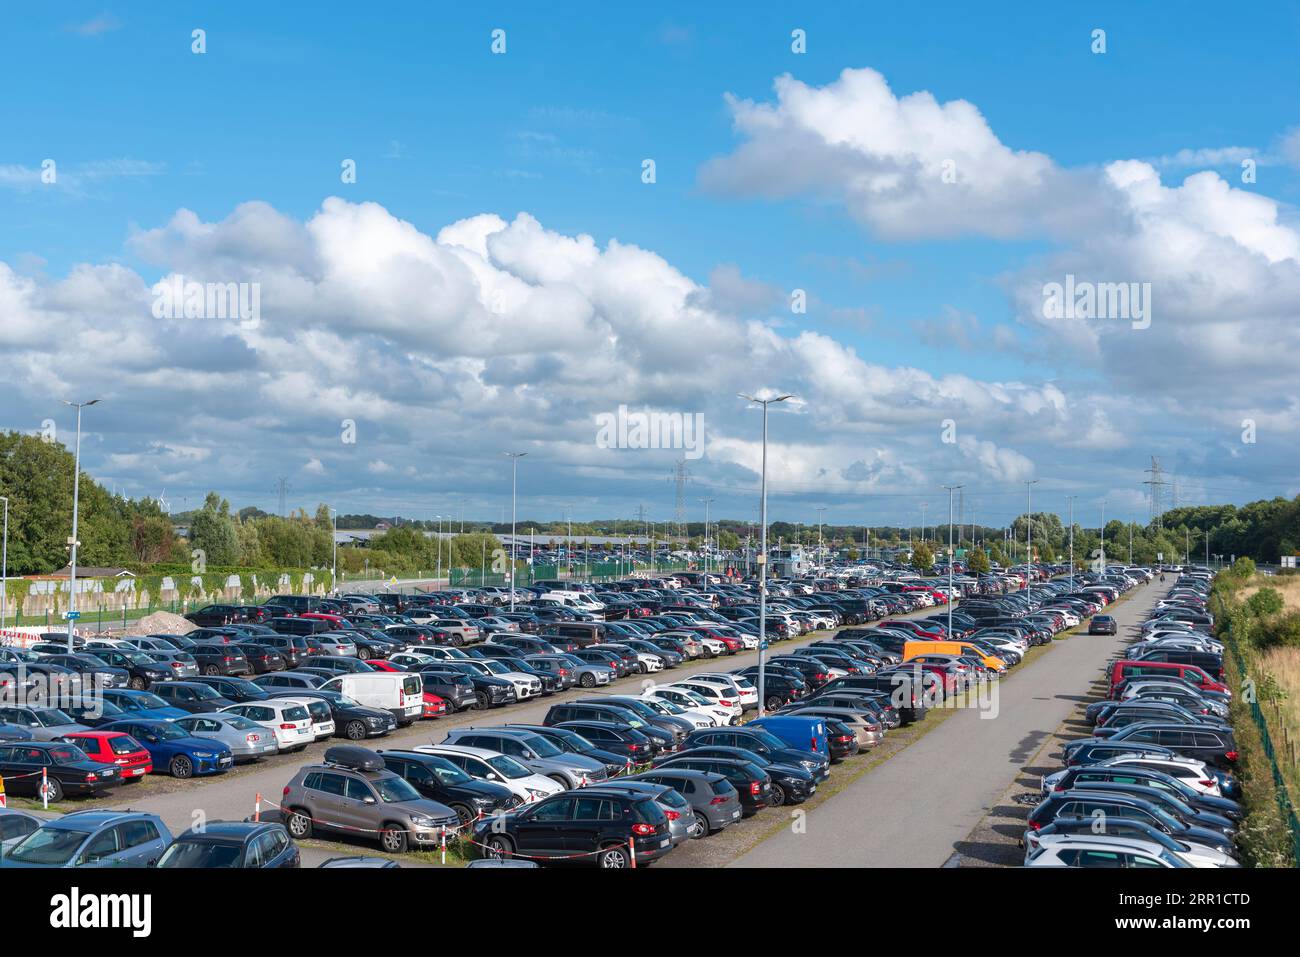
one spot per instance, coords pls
(1153, 786)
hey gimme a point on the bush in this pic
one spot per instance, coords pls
(1267, 601)
(1277, 631)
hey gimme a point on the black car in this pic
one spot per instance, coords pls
(751, 781)
(1103, 625)
(292, 648)
(763, 743)
(596, 710)
(456, 689)
(67, 770)
(439, 780)
(192, 696)
(909, 693)
(238, 690)
(791, 783)
(233, 844)
(1215, 746)
(352, 720)
(144, 670)
(599, 825)
(627, 744)
(220, 659)
(279, 680)
(217, 615)
(92, 669)
(778, 690)
(261, 658)
(489, 691)
(1131, 777)
(1114, 805)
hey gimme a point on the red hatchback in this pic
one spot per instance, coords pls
(114, 747)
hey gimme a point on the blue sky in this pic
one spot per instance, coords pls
(557, 127)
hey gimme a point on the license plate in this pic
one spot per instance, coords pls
(665, 842)
(226, 760)
(136, 771)
(735, 814)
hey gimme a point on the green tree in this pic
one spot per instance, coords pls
(728, 541)
(1243, 568)
(1265, 602)
(922, 557)
(212, 531)
(977, 562)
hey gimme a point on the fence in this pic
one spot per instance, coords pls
(592, 572)
(1284, 802)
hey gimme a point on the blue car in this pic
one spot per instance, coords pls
(143, 704)
(170, 747)
(805, 734)
(92, 839)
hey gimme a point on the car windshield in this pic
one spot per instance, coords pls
(447, 772)
(496, 667)
(66, 754)
(394, 790)
(53, 718)
(509, 767)
(142, 700)
(200, 854)
(48, 845)
(576, 742)
(138, 658)
(167, 731)
(204, 692)
(667, 707)
(241, 723)
(768, 738)
(543, 746)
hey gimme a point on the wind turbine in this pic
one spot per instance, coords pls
(162, 500)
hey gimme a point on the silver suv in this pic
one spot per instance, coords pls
(535, 752)
(353, 792)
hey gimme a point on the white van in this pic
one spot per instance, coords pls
(571, 599)
(399, 692)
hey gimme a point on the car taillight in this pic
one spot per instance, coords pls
(288, 727)
(671, 815)
(250, 738)
(92, 776)
(643, 830)
(755, 788)
(177, 664)
(718, 800)
(1208, 784)
(724, 703)
(1035, 825)
(1231, 755)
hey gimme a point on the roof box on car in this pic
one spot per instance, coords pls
(351, 756)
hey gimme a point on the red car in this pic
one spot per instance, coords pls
(115, 747)
(337, 621)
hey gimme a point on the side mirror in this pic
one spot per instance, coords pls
(368, 799)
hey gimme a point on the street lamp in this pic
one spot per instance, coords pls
(706, 502)
(1029, 543)
(762, 557)
(438, 548)
(4, 565)
(334, 534)
(514, 485)
(1103, 536)
(1071, 499)
(951, 489)
(76, 489)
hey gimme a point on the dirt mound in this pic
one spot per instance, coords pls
(160, 623)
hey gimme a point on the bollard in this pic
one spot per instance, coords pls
(631, 850)
(45, 790)
(444, 844)
(257, 807)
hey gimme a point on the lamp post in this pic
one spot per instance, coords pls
(334, 560)
(1029, 543)
(514, 486)
(1103, 536)
(4, 565)
(76, 489)
(706, 502)
(951, 489)
(762, 558)
(438, 548)
(1071, 499)
(821, 514)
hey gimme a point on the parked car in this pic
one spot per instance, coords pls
(173, 749)
(439, 780)
(354, 790)
(603, 825)
(65, 769)
(284, 718)
(113, 747)
(43, 724)
(93, 839)
(233, 844)
(246, 739)
(715, 802)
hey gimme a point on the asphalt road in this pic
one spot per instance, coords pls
(232, 796)
(913, 809)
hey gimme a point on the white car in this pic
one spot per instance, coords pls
(1102, 850)
(414, 659)
(649, 662)
(498, 768)
(670, 708)
(287, 719)
(322, 722)
(437, 653)
(742, 688)
(694, 701)
(1195, 774)
(716, 695)
(526, 686)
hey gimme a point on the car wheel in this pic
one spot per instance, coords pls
(464, 814)
(136, 684)
(614, 857)
(393, 838)
(588, 680)
(561, 780)
(457, 641)
(54, 788)
(181, 767)
(699, 827)
(354, 730)
(298, 825)
(211, 670)
(710, 653)
(641, 668)
(481, 702)
(778, 796)
(499, 848)
(773, 703)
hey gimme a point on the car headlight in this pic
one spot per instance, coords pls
(421, 820)
(483, 802)
(809, 765)
(374, 721)
(204, 754)
(536, 793)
